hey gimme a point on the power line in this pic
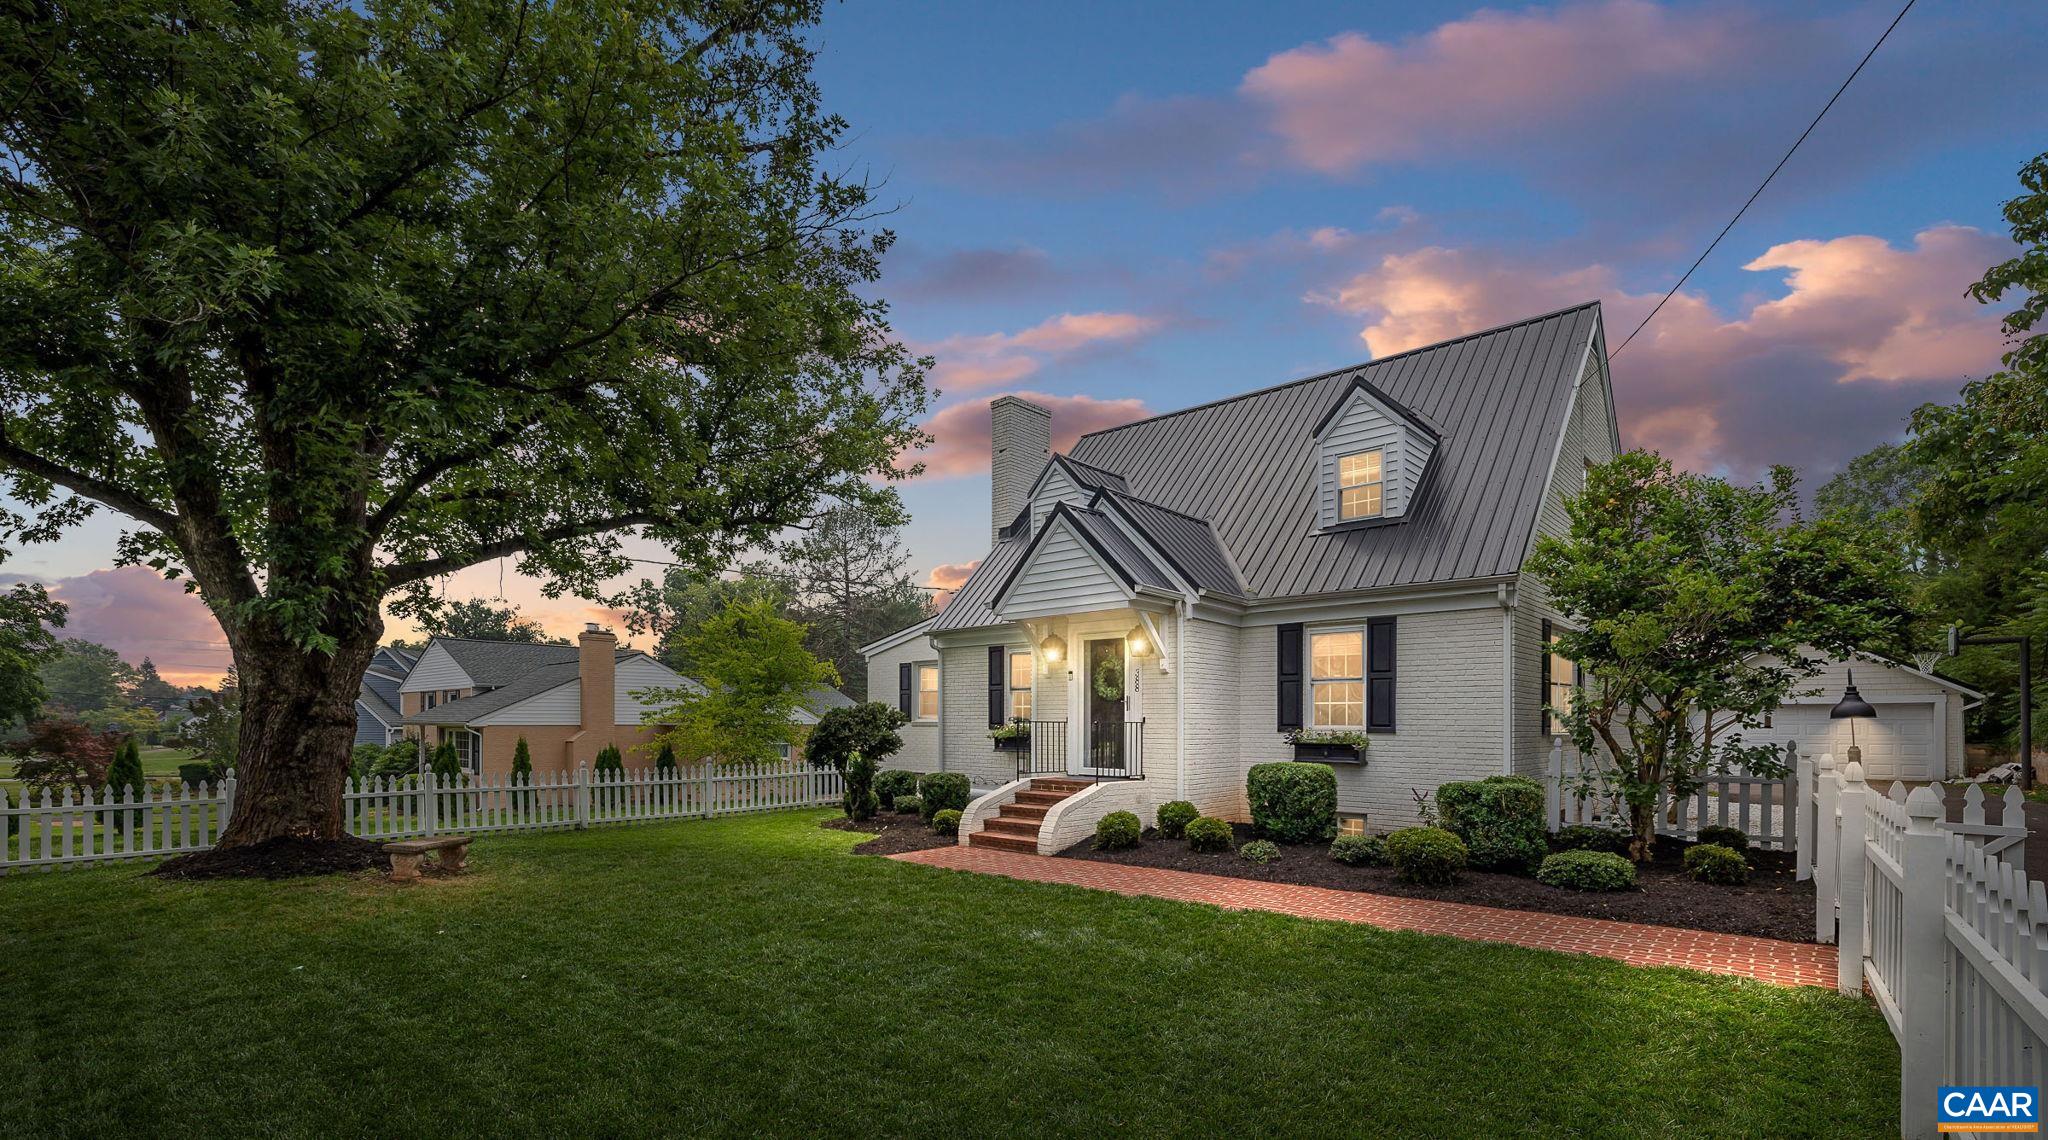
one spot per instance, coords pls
(1767, 178)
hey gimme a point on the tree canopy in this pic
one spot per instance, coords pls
(755, 675)
(28, 618)
(482, 621)
(84, 675)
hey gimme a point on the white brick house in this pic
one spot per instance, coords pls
(1339, 553)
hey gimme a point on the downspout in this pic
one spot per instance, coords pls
(1507, 680)
(1180, 703)
(939, 725)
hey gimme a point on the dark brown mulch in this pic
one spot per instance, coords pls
(280, 858)
(1772, 905)
(893, 834)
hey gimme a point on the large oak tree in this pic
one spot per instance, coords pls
(335, 299)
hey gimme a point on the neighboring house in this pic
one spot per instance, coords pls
(378, 720)
(1340, 553)
(567, 701)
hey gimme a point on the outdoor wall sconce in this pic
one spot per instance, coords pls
(1054, 649)
(1138, 642)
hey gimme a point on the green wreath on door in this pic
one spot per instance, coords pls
(1109, 679)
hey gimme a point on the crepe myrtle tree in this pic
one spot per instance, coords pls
(1694, 607)
(332, 300)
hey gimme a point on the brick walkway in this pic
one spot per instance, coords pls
(1764, 959)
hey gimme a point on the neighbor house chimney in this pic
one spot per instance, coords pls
(1020, 442)
(596, 672)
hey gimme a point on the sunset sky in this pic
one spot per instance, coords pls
(1123, 209)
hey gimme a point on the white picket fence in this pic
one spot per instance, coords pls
(71, 828)
(1763, 808)
(1941, 924)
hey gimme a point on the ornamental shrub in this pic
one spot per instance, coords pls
(1720, 835)
(1117, 831)
(1587, 871)
(909, 805)
(664, 761)
(946, 821)
(1259, 851)
(447, 767)
(1585, 837)
(1499, 819)
(939, 791)
(1427, 855)
(522, 761)
(894, 782)
(1712, 863)
(1207, 834)
(1174, 817)
(125, 773)
(860, 801)
(1360, 850)
(609, 760)
(1293, 802)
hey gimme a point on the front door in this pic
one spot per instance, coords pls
(1107, 688)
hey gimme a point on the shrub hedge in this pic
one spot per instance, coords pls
(893, 782)
(1207, 833)
(1174, 817)
(1721, 835)
(1587, 871)
(1712, 863)
(1585, 837)
(909, 805)
(1259, 851)
(941, 791)
(1360, 850)
(1427, 855)
(1499, 819)
(1117, 831)
(946, 821)
(1293, 802)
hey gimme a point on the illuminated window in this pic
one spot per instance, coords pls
(1358, 486)
(927, 692)
(1562, 688)
(1020, 686)
(1337, 679)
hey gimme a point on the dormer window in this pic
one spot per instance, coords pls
(1359, 489)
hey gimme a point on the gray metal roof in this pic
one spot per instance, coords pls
(1139, 568)
(1247, 464)
(1187, 543)
(1093, 478)
(969, 608)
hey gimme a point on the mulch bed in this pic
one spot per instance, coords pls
(280, 858)
(893, 834)
(1772, 905)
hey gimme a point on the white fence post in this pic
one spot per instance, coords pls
(1802, 813)
(1553, 800)
(227, 799)
(1827, 848)
(429, 810)
(582, 795)
(1922, 986)
(1850, 868)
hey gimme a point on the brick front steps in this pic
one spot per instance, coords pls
(1762, 959)
(1015, 825)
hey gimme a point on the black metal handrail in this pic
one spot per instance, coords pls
(1117, 755)
(1047, 754)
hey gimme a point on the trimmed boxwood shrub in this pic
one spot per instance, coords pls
(1427, 855)
(1721, 835)
(1174, 817)
(946, 821)
(1293, 802)
(909, 805)
(1117, 831)
(939, 791)
(1259, 851)
(1586, 837)
(893, 782)
(195, 773)
(1207, 833)
(1712, 863)
(1360, 850)
(1587, 871)
(1499, 819)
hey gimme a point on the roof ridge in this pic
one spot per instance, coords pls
(504, 641)
(1374, 362)
(1156, 506)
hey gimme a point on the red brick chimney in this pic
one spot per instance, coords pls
(596, 673)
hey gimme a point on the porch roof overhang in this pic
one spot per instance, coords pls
(1119, 571)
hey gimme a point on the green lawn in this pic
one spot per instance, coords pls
(748, 975)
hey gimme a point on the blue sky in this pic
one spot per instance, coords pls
(1130, 208)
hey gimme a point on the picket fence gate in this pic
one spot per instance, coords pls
(1765, 808)
(1940, 923)
(70, 828)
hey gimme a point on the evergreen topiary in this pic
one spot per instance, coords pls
(1585, 837)
(1293, 802)
(1259, 851)
(946, 822)
(939, 791)
(1208, 834)
(1359, 850)
(860, 801)
(1428, 855)
(125, 773)
(1587, 871)
(444, 764)
(891, 783)
(1498, 819)
(522, 763)
(1712, 863)
(665, 760)
(1117, 831)
(1174, 816)
(609, 761)
(1720, 835)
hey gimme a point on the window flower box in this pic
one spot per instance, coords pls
(1326, 747)
(1012, 737)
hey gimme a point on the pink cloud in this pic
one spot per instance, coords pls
(138, 613)
(948, 577)
(983, 360)
(1864, 332)
(1353, 100)
(959, 432)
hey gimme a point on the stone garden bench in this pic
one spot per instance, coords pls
(406, 855)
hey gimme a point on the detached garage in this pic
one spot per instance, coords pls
(1916, 735)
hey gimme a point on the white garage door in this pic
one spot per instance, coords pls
(1898, 745)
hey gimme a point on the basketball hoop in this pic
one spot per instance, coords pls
(1927, 660)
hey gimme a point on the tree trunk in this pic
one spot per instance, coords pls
(298, 731)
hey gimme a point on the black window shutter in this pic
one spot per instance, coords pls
(998, 684)
(1290, 677)
(1543, 689)
(1379, 674)
(903, 688)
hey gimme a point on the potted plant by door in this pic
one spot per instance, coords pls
(1012, 737)
(1329, 745)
